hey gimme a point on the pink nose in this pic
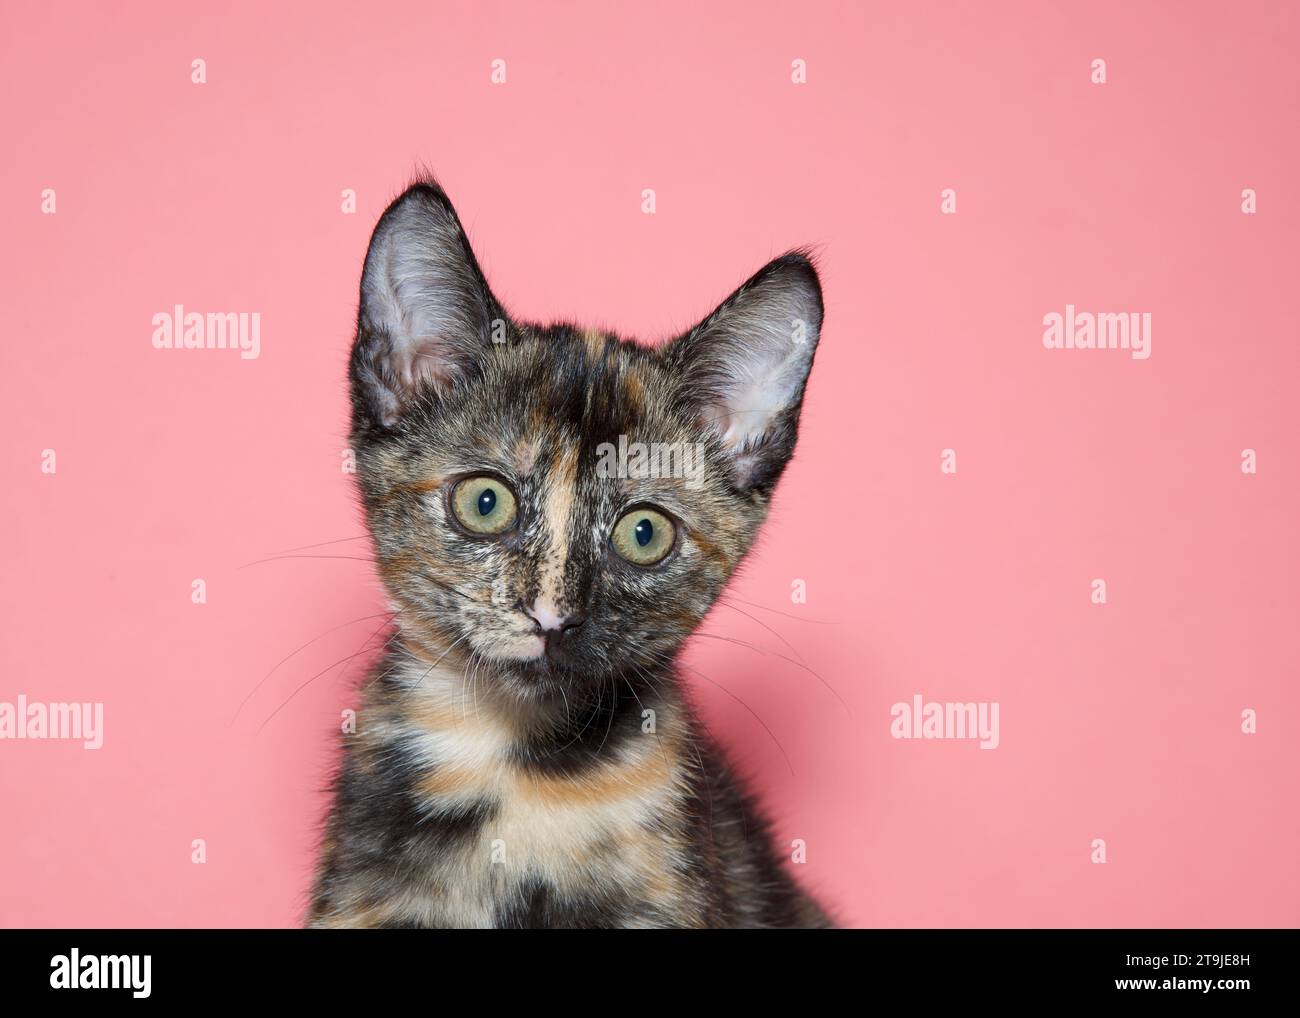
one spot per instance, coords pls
(546, 619)
(553, 624)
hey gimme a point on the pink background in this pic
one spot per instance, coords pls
(1119, 721)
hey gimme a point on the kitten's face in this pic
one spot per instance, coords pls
(555, 509)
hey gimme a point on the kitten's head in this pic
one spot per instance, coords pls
(557, 507)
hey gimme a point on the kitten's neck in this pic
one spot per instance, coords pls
(582, 718)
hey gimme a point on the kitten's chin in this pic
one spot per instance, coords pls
(521, 650)
(521, 663)
(525, 663)
(528, 663)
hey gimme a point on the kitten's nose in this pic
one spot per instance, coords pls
(551, 625)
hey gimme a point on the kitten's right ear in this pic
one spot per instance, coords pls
(426, 310)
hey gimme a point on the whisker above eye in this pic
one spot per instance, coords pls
(322, 544)
(280, 558)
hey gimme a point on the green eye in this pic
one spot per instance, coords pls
(643, 536)
(484, 505)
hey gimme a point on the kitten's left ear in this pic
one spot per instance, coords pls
(745, 366)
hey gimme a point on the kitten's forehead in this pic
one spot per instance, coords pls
(588, 378)
(563, 388)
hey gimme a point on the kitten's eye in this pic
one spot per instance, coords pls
(484, 505)
(643, 536)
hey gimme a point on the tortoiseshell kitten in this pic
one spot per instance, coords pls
(525, 754)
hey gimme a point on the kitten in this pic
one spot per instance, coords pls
(526, 754)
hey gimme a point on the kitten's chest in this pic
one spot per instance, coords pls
(517, 841)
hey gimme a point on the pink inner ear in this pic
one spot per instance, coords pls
(735, 438)
(720, 421)
(426, 365)
(744, 418)
(410, 366)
